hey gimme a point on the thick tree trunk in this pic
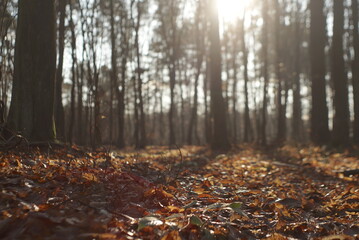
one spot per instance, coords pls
(219, 139)
(32, 104)
(319, 113)
(339, 78)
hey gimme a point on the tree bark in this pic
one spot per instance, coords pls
(121, 89)
(247, 121)
(73, 75)
(319, 113)
(219, 139)
(339, 78)
(32, 104)
(297, 123)
(281, 121)
(59, 108)
(355, 69)
(235, 123)
(199, 62)
(265, 72)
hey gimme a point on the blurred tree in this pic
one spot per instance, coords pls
(265, 73)
(355, 69)
(297, 123)
(219, 140)
(247, 121)
(339, 78)
(59, 108)
(319, 114)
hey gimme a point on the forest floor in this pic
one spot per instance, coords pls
(187, 193)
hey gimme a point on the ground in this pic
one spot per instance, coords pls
(188, 193)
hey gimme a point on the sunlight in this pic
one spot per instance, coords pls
(231, 10)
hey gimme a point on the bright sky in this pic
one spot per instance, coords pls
(230, 10)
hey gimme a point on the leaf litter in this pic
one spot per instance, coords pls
(191, 193)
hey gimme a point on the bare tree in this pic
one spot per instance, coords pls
(32, 102)
(220, 140)
(355, 69)
(319, 113)
(265, 71)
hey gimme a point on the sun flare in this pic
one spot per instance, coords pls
(231, 10)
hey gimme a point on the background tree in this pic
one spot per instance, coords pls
(339, 78)
(220, 140)
(355, 69)
(59, 108)
(119, 62)
(265, 73)
(319, 113)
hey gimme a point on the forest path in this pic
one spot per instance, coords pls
(179, 194)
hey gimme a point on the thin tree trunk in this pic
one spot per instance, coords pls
(199, 62)
(247, 121)
(234, 93)
(355, 69)
(182, 103)
(113, 74)
(297, 123)
(281, 121)
(59, 108)
(265, 72)
(142, 122)
(121, 89)
(73, 74)
(207, 114)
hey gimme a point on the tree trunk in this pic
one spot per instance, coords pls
(219, 139)
(199, 63)
(278, 70)
(319, 113)
(265, 72)
(234, 93)
(247, 121)
(113, 73)
(355, 69)
(297, 124)
(142, 122)
(73, 75)
(207, 114)
(59, 108)
(172, 134)
(32, 104)
(339, 78)
(121, 89)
